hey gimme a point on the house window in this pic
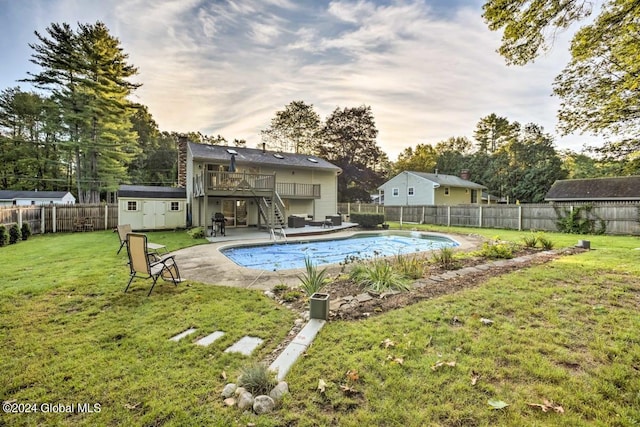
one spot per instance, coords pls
(132, 206)
(410, 191)
(446, 191)
(474, 196)
(395, 192)
(175, 206)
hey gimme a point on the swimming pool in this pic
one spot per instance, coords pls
(284, 256)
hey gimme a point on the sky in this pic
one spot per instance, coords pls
(427, 68)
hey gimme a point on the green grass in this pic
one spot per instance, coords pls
(566, 331)
(71, 335)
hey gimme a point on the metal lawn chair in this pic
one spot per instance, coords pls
(146, 265)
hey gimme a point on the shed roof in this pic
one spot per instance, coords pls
(626, 188)
(31, 195)
(252, 156)
(152, 192)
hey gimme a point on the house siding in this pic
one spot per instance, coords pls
(457, 196)
(423, 191)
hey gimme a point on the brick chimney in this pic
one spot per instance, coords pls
(182, 161)
(464, 174)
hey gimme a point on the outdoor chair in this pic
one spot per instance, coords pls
(146, 265)
(125, 229)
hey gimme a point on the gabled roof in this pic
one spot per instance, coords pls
(152, 192)
(448, 180)
(626, 188)
(252, 156)
(31, 195)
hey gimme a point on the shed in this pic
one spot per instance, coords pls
(152, 207)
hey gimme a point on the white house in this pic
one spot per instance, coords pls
(36, 198)
(152, 208)
(420, 189)
(255, 187)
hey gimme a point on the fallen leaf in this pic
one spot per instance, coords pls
(486, 321)
(322, 386)
(388, 343)
(223, 375)
(348, 390)
(497, 404)
(440, 364)
(352, 375)
(128, 406)
(546, 405)
(474, 377)
(398, 360)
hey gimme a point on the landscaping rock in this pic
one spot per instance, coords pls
(279, 390)
(229, 390)
(230, 401)
(245, 400)
(240, 390)
(263, 405)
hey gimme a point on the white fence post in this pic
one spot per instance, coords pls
(448, 216)
(42, 224)
(53, 218)
(20, 218)
(400, 216)
(106, 216)
(519, 217)
(480, 216)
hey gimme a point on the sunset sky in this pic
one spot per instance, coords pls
(428, 69)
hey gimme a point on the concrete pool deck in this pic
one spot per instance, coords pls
(206, 264)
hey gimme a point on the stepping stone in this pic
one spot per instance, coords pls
(245, 345)
(183, 334)
(296, 348)
(209, 338)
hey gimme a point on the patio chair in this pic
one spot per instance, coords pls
(145, 265)
(125, 229)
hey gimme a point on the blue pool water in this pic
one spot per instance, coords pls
(285, 256)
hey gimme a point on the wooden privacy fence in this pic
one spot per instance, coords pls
(60, 218)
(618, 218)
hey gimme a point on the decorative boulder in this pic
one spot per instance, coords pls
(245, 400)
(229, 390)
(263, 405)
(279, 390)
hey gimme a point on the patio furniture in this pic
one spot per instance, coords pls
(335, 219)
(218, 222)
(145, 265)
(294, 221)
(125, 229)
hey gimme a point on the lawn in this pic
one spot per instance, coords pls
(565, 336)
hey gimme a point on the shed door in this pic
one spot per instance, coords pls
(153, 214)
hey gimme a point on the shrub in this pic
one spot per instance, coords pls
(411, 267)
(257, 379)
(367, 220)
(496, 249)
(546, 243)
(530, 241)
(196, 233)
(313, 280)
(580, 220)
(445, 258)
(292, 295)
(4, 237)
(378, 276)
(25, 231)
(14, 234)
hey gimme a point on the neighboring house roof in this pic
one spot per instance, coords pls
(252, 156)
(152, 192)
(31, 195)
(445, 180)
(595, 189)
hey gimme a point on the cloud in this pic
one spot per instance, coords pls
(428, 70)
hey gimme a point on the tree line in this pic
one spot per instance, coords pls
(80, 132)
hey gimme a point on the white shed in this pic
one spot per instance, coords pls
(152, 208)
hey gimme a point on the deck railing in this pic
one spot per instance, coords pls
(292, 189)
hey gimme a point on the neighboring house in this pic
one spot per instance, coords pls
(152, 208)
(28, 198)
(618, 189)
(255, 187)
(419, 189)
